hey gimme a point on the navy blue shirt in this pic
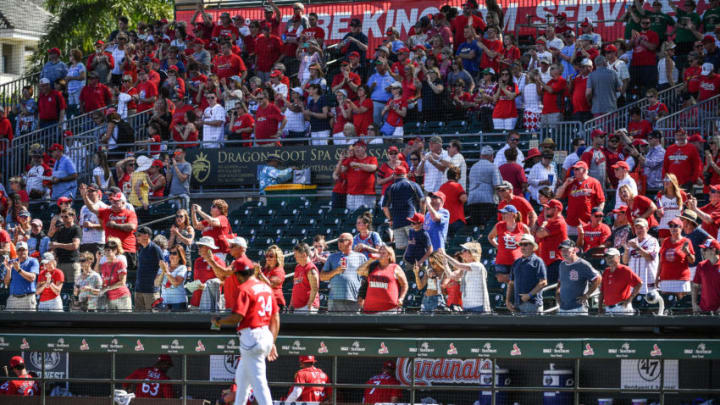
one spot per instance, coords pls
(403, 200)
(526, 273)
(318, 124)
(148, 259)
(697, 237)
(418, 243)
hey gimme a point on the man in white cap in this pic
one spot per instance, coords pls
(49, 285)
(238, 247)
(576, 283)
(20, 278)
(642, 256)
(484, 177)
(620, 286)
(709, 82)
(579, 87)
(528, 277)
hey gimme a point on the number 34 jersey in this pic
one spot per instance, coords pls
(255, 302)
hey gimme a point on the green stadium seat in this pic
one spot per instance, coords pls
(456, 127)
(412, 128)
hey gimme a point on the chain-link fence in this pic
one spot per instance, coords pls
(200, 369)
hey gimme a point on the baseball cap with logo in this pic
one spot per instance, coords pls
(238, 241)
(567, 244)
(621, 164)
(116, 196)
(47, 257)
(417, 218)
(400, 171)
(711, 243)
(580, 165)
(707, 69)
(438, 194)
(21, 245)
(554, 204)
(64, 200)
(307, 359)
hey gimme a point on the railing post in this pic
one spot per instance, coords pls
(493, 398)
(184, 378)
(112, 379)
(662, 382)
(42, 379)
(334, 380)
(412, 381)
(576, 393)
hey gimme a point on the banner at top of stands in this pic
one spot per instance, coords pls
(378, 16)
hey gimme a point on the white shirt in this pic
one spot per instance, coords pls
(281, 88)
(621, 182)
(662, 72)
(646, 270)
(119, 56)
(474, 287)
(34, 179)
(520, 83)
(459, 161)
(91, 235)
(434, 178)
(500, 156)
(531, 100)
(215, 113)
(670, 208)
(570, 160)
(99, 172)
(540, 173)
(620, 67)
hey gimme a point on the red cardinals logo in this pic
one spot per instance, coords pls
(322, 348)
(588, 350)
(139, 346)
(25, 345)
(200, 346)
(655, 351)
(452, 349)
(515, 350)
(383, 349)
(84, 345)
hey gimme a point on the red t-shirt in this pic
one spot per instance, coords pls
(110, 273)
(91, 58)
(522, 205)
(617, 285)
(692, 78)
(453, 191)
(146, 89)
(714, 212)
(23, 388)
(340, 120)
(508, 249)
(218, 233)
(639, 129)
(314, 33)
(639, 205)
(506, 108)
(707, 275)
(393, 118)
(50, 104)
(203, 272)
(682, 161)
(277, 291)
(582, 196)
(643, 56)
(515, 174)
(376, 395)
(557, 229)
(231, 285)
(360, 182)
(552, 99)
(580, 103)
(56, 276)
(363, 121)
(242, 122)
(386, 171)
(225, 30)
(657, 108)
(382, 291)
(267, 121)
(310, 393)
(301, 287)
(255, 302)
(95, 97)
(271, 49)
(354, 77)
(228, 65)
(124, 216)
(150, 389)
(709, 86)
(6, 132)
(496, 46)
(674, 263)
(458, 25)
(595, 236)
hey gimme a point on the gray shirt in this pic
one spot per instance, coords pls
(574, 279)
(178, 187)
(604, 84)
(483, 178)
(344, 286)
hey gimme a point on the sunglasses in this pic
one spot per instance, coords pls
(344, 240)
(514, 139)
(270, 256)
(174, 253)
(110, 248)
(674, 226)
(67, 216)
(392, 153)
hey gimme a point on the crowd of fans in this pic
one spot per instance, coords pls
(263, 83)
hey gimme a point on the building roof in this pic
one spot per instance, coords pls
(23, 15)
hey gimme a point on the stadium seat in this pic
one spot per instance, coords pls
(412, 128)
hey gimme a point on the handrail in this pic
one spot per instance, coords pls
(677, 119)
(557, 305)
(11, 91)
(155, 221)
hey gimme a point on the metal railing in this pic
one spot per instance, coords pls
(692, 118)
(620, 117)
(11, 92)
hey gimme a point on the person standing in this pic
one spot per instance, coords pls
(93, 235)
(542, 174)
(527, 279)
(402, 200)
(256, 314)
(149, 256)
(66, 245)
(643, 65)
(433, 166)
(583, 193)
(178, 176)
(683, 160)
(51, 104)
(20, 277)
(308, 374)
(551, 232)
(437, 220)
(483, 180)
(341, 271)
(707, 279)
(64, 173)
(642, 256)
(305, 297)
(23, 387)
(473, 278)
(603, 87)
(620, 286)
(553, 91)
(213, 122)
(360, 169)
(576, 282)
(49, 285)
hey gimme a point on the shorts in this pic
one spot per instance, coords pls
(54, 304)
(431, 303)
(674, 286)
(502, 269)
(618, 309)
(581, 310)
(401, 237)
(306, 309)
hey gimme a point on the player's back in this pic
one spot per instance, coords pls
(25, 388)
(376, 395)
(149, 389)
(313, 375)
(256, 303)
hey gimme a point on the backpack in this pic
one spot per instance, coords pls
(125, 133)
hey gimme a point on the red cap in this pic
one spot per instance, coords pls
(639, 141)
(417, 218)
(199, 41)
(540, 41)
(389, 365)
(393, 149)
(239, 265)
(597, 132)
(585, 22)
(438, 194)
(708, 39)
(16, 361)
(534, 152)
(276, 73)
(611, 48)
(158, 163)
(174, 68)
(68, 133)
(580, 164)
(709, 243)
(343, 63)
(554, 204)
(56, 146)
(63, 200)
(117, 196)
(563, 15)
(360, 142)
(165, 358)
(622, 164)
(400, 170)
(307, 359)
(54, 50)
(677, 221)
(403, 50)
(354, 54)
(419, 46)
(696, 138)
(99, 42)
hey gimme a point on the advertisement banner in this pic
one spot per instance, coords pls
(222, 366)
(233, 166)
(645, 374)
(57, 365)
(378, 16)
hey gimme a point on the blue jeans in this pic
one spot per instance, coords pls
(429, 304)
(480, 308)
(179, 307)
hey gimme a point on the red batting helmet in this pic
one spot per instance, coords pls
(307, 359)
